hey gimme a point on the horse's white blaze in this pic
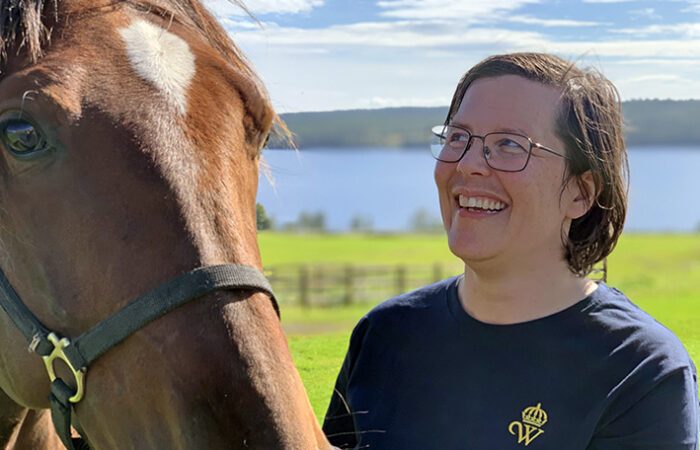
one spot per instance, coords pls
(161, 58)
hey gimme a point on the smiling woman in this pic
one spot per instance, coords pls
(522, 349)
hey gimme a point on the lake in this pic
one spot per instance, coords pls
(388, 187)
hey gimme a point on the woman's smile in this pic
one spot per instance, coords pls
(478, 206)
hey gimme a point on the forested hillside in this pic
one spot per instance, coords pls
(662, 122)
(647, 122)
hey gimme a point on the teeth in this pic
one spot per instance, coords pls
(481, 203)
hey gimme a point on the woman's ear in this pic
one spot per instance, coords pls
(582, 193)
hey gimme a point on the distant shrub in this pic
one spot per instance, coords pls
(308, 221)
(361, 224)
(423, 222)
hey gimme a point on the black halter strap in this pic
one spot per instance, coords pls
(86, 348)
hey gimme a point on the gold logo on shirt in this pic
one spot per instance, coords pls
(534, 417)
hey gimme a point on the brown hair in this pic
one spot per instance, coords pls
(589, 123)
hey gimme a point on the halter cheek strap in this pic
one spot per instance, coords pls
(86, 348)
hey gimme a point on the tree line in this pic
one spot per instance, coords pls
(646, 122)
(422, 221)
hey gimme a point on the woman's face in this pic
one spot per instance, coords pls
(528, 228)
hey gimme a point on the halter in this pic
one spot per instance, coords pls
(79, 353)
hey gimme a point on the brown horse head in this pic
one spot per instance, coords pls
(130, 136)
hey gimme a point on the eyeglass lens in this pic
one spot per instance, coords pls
(502, 151)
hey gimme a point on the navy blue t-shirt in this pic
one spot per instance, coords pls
(602, 374)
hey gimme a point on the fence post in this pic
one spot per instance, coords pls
(400, 279)
(349, 278)
(437, 272)
(304, 286)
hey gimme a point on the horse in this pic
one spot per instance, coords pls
(131, 134)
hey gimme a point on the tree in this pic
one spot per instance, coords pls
(423, 222)
(361, 224)
(308, 221)
(311, 221)
(263, 221)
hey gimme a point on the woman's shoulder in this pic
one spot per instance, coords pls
(634, 331)
(419, 305)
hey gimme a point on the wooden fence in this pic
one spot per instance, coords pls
(329, 285)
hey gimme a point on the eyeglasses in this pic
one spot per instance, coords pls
(506, 152)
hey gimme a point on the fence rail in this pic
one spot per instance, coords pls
(329, 285)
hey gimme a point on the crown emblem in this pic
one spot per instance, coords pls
(534, 415)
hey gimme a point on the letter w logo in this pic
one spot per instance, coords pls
(526, 433)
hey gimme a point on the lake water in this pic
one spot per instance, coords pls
(388, 187)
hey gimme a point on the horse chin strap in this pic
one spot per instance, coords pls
(79, 353)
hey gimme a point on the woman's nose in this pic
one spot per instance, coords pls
(473, 160)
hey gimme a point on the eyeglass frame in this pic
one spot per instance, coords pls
(470, 142)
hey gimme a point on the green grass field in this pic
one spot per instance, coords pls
(661, 273)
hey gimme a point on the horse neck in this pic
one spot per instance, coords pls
(237, 391)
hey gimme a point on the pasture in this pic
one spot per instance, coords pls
(660, 273)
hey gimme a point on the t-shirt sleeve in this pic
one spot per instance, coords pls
(665, 418)
(339, 424)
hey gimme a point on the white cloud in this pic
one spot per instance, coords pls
(657, 83)
(226, 8)
(241, 24)
(693, 6)
(690, 30)
(553, 22)
(665, 63)
(648, 13)
(658, 48)
(393, 102)
(472, 11)
(608, 1)
(660, 78)
(405, 34)
(411, 35)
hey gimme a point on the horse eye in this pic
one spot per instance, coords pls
(22, 138)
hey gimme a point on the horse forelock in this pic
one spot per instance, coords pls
(194, 15)
(28, 24)
(22, 22)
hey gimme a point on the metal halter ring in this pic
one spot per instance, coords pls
(57, 353)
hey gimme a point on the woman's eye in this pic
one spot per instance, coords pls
(510, 145)
(458, 137)
(22, 138)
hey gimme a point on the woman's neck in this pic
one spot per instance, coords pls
(522, 294)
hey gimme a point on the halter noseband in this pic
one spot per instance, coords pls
(79, 353)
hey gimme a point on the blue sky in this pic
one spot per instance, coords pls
(317, 55)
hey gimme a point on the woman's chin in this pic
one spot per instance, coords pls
(470, 250)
